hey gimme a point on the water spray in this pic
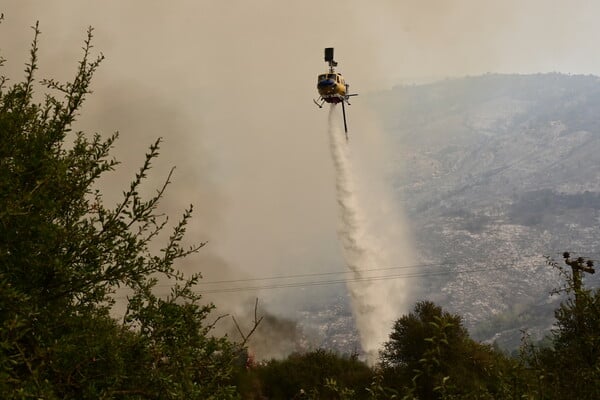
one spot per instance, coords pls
(375, 304)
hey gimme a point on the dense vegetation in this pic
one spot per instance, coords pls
(430, 355)
(64, 253)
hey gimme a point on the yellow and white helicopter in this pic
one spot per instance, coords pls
(332, 87)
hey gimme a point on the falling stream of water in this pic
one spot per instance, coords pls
(366, 246)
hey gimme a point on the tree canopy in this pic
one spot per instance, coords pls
(432, 354)
(64, 253)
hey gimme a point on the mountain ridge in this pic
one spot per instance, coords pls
(497, 170)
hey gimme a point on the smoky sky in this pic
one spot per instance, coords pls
(228, 85)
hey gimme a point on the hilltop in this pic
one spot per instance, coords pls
(494, 172)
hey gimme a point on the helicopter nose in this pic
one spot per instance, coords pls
(326, 82)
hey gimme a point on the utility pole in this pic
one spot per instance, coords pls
(578, 266)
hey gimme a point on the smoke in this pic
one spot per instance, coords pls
(274, 336)
(371, 238)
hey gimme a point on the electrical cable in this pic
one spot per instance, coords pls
(318, 274)
(283, 285)
(350, 280)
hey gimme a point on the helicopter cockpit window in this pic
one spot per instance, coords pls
(321, 77)
(332, 76)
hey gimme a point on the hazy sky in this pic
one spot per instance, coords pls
(228, 84)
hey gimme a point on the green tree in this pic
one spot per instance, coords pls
(63, 253)
(570, 366)
(430, 355)
(320, 374)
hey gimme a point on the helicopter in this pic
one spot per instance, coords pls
(332, 88)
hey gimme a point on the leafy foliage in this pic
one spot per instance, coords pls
(430, 355)
(570, 366)
(63, 254)
(319, 374)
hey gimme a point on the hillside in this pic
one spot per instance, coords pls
(495, 172)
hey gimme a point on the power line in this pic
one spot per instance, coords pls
(319, 274)
(419, 274)
(340, 281)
